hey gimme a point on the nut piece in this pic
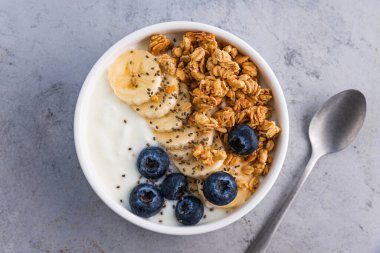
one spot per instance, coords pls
(186, 46)
(225, 117)
(232, 159)
(220, 64)
(167, 64)
(263, 156)
(204, 121)
(212, 86)
(207, 155)
(270, 129)
(198, 54)
(269, 145)
(205, 103)
(231, 50)
(196, 65)
(245, 83)
(155, 98)
(241, 59)
(209, 93)
(248, 170)
(159, 44)
(170, 89)
(241, 104)
(254, 115)
(200, 36)
(241, 184)
(265, 95)
(205, 40)
(252, 157)
(254, 184)
(250, 69)
(177, 52)
(183, 75)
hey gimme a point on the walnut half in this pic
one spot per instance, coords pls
(159, 44)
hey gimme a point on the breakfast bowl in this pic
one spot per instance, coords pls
(108, 134)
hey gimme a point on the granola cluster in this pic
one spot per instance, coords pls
(207, 155)
(225, 91)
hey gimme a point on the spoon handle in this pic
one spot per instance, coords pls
(261, 241)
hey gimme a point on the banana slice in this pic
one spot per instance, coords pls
(182, 153)
(135, 76)
(174, 119)
(161, 103)
(242, 196)
(186, 153)
(217, 143)
(188, 167)
(205, 138)
(167, 123)
(177, 138)
(196, 169)
(193, 187)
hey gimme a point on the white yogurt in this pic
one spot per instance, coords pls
(115, 136)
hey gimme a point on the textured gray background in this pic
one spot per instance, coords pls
(316, 48)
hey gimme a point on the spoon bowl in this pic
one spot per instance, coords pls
(337, 122)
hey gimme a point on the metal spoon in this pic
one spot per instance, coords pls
(332, 129)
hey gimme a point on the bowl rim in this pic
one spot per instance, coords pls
(280, 149)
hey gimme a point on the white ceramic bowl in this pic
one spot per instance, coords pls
(280, 109)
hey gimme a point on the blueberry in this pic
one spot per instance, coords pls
(243, 140)
(174, 186)
(220, 188)
(189, 210)
(153, 162)
(146, 200)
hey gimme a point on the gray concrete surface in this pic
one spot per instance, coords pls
(316, 48)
